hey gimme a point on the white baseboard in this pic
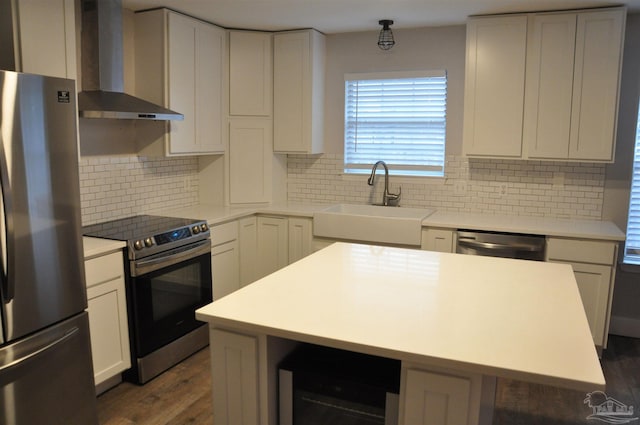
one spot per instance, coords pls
(624, 326)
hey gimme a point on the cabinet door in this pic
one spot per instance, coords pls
(596, 82)
(210, 48)
(432, 398)
(250, 73)
(547, 119)
(195, 52)
(593, 283)
(182, 83)
(225, 269)
(300, 238)
(47, 37)
(494, 86)
(439, 240)
(248, 238)
(298, 92)
(250, 160)
(107, 308)
(234, 377)
(273, 250)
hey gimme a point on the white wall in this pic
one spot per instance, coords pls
(415, 49)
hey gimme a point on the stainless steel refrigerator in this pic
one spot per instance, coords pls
(46, 373)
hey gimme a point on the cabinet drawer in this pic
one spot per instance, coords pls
(224, 233)
(103, 269)
(583, 251)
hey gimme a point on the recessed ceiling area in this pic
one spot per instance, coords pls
(337, 16)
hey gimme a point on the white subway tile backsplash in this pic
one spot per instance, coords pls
(534, 188)
(116, 187)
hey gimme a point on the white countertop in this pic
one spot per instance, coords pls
(501, 317)
(218, 214)
(586, 229)
(94, 247)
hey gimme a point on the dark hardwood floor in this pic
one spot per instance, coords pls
(182, 395)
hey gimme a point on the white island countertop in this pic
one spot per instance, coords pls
(499, 317)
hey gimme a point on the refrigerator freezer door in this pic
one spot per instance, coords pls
(44, 280)
(59, 355)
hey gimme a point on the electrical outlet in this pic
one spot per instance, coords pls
(502, 189)
(460, 188)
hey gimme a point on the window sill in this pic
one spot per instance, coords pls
(395, 179)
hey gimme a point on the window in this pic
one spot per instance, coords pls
(632, 244)
(399, 118)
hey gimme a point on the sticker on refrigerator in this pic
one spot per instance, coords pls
(64, 96)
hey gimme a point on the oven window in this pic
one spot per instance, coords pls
(166, 300)
(175, 291)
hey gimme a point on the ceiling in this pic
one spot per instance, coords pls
(336, 16)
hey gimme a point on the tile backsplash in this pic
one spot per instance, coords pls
(510, 187)
(113, 187)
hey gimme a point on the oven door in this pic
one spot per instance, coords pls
(164, 292)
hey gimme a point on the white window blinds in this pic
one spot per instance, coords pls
(632, 244)
(399, 118)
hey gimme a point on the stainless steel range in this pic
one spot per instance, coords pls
(168, 266)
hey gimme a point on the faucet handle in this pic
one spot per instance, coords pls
(394, 198)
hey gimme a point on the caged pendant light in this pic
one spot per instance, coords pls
(385, 39)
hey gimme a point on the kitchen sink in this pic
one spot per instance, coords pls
(370, 223)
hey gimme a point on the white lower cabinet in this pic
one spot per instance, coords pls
(273, 251)
(440, 240)
(443, 397)
(248, 243)
(234, 374)
(432, 398)
(300, 237)
(593, 264)
(225, 259)
(107, 308)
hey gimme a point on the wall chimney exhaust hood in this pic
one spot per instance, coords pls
(102, 94)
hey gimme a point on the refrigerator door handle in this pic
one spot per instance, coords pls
(38, 351)
(5, 225)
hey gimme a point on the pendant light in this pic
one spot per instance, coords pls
(385, 39)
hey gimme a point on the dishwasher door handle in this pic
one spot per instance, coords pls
(472, 243)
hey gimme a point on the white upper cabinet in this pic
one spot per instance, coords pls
(547, 122)
(599, 45)
(44, 39)
(570, 86)
(250, 73)
(183, 73)
(298, 92)
(494, 86)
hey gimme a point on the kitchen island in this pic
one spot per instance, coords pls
(456, 322)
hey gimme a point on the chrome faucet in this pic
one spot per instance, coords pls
(388, 199)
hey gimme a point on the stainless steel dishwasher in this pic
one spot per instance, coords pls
(495, 244)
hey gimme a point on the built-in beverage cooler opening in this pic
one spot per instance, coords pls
(321, 385)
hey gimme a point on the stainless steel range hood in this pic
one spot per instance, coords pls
(102, 94)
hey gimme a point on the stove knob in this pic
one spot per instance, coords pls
(195, 230)
(138, 245)
(148, 242)
(204, 227)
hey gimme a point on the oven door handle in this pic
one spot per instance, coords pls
(166, 259)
